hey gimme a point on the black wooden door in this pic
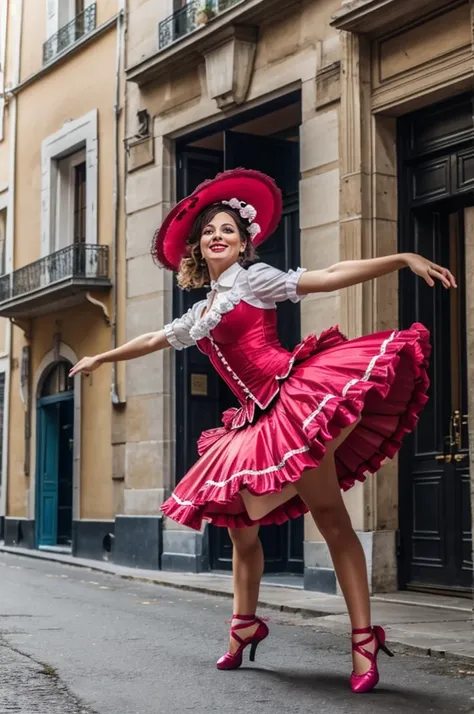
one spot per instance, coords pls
(435, 520)
(198, 386)
(282, 545)
(201, 395)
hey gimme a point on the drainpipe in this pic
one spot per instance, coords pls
(116, 197)
(10, 229)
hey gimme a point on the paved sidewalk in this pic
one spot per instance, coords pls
(426, 624)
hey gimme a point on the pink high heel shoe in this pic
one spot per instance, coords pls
(362, 683)
(233, 661)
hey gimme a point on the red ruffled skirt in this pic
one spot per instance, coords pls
(380, 379)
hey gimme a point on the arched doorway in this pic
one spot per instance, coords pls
(54, 456)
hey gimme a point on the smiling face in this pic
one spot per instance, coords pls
(221, 243)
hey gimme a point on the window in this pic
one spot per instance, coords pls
(79, 219)
(57, 380)
(67, 21)
(61, 12)
(69, 185)
(71, 201)
(80, 204)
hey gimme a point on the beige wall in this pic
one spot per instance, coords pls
(144, 18)
(74, 87)
(66, 93)
(34, 32)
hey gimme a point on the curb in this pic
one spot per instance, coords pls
(397, 646)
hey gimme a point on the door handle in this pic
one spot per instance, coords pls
(447, 458)
(456, 421)
(460, 457)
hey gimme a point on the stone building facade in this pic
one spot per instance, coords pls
(362, 111)
(331, 100)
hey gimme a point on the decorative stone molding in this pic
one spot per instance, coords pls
(187, 52)
(373, 16)
(141, 153)
(229, 67)
(423, 61)
(328, 85)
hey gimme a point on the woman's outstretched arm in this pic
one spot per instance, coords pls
(138, 347)
(353, 272)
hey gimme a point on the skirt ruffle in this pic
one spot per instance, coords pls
(380, 378)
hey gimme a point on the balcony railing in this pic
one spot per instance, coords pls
(80, 265)
(186, 19)
(82, 24)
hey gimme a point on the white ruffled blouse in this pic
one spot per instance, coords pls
(260, 285)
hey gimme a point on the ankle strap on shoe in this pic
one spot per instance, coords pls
(363, 631)
(246, 618)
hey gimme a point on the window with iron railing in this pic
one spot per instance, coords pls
(84, 22)
(79, 262)
(188, 17)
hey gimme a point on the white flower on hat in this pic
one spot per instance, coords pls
(254, 229)
(233, 203)
(248, 212)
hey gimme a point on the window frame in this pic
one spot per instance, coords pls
(74, 136)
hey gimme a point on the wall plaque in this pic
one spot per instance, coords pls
(199, 385)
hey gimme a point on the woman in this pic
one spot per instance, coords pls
(310, 422)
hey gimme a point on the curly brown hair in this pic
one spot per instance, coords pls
(193, 271)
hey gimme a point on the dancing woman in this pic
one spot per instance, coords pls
(310, 423)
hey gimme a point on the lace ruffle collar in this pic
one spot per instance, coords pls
(223, 303)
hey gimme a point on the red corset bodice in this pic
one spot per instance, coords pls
(245, 350)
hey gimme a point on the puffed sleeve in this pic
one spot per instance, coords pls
(272, 285)
(177, 332)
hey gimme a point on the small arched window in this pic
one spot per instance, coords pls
(57, 380)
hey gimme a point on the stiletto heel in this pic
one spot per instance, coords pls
(388, 652)
(234, 660)
(253, 651)
(362, 683)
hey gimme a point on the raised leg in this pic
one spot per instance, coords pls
(319, 489)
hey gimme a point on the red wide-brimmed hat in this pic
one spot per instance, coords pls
(255, 195)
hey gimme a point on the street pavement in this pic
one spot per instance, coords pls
(81, 642)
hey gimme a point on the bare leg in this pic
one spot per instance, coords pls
(247, 566)
(319, 489)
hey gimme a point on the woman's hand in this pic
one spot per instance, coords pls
(85, 366)
(430, 271)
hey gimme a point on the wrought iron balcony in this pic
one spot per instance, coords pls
(188, 18)
(55, 282)
(66, 36)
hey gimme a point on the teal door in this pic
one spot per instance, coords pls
(54, 469)
(48, 473)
